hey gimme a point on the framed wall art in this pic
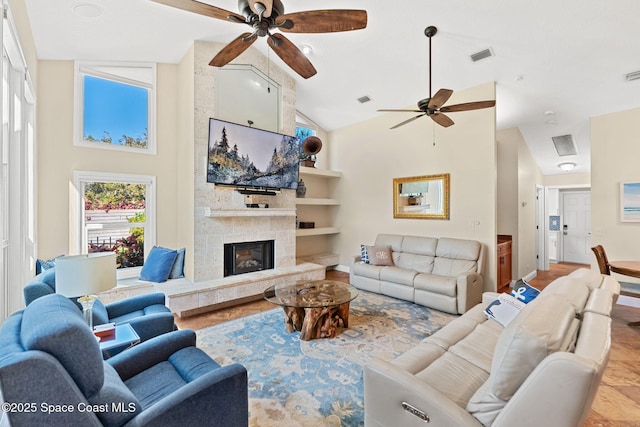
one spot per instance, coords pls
(630, 201)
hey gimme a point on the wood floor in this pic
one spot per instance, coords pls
(618, 401)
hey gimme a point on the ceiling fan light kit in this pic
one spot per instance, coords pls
(433, 106)
(263, 17)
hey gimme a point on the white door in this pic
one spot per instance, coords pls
(576, 227)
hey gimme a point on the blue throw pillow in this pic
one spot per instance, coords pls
(43, 265)
(177, 271)
(158, 264)
(524, 292)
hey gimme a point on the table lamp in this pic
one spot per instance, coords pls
(84, 276)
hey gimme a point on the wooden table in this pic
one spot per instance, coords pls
(316, 308)
(628, 268)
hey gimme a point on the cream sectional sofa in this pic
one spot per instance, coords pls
(542, 369)
(444, 274)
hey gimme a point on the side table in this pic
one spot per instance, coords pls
(124, 336)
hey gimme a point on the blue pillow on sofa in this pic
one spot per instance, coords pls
(158, 264)
(177, 271)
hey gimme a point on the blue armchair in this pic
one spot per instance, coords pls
(51, 363)
(147, 314)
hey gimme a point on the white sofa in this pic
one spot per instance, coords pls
(543, 369)
(444, 274)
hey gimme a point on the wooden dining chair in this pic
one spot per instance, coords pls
(626, 288)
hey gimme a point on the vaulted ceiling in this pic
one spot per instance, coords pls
(555, 64)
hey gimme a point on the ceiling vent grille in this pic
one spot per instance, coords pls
(565, 145)
(364, 99)
(632, 76)
(483, 54)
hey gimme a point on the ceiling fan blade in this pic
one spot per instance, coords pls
(398, 111)
(202, 9)
(291, 55)
(268, 5)
(233, 49)
(441, 119)
(324, 21)
(468, 106)
(440, 98)
(408, 121)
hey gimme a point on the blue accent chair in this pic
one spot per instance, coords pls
(147, 314)
(51, 361)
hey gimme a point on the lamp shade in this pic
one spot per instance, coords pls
(85, 274)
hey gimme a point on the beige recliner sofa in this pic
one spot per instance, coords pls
(542, 369)
(444, 274)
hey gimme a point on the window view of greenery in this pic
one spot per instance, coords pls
(109, 208)
(115, 113)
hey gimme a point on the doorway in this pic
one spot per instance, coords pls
(576, 226)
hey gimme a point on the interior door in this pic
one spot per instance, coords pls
(576, 227)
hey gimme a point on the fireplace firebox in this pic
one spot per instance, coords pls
(247, 257)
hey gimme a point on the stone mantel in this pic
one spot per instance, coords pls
(248, 212)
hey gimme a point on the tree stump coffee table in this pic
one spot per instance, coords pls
(316, 308)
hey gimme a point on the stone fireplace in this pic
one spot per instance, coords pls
(247, 257)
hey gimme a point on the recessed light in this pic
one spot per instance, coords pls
(306, 49)
(86, 10)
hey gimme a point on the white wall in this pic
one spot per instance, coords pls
(370, 155)
(508, 142)
(23, 27)
(185, 158)
(58, 158)
(567, 180)
(615, 151)
(529, 176)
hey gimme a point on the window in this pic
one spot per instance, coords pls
(115, 106)
(17, 174)
(304, 129)
(116, 213)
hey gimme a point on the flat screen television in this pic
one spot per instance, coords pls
(243, 156)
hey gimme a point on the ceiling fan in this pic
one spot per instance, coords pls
(433, 105)
(266, 15)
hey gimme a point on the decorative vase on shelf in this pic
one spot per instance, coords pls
(301, 190)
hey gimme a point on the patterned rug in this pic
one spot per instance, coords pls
(317, 382)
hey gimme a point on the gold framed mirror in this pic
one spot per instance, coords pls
(421, 197)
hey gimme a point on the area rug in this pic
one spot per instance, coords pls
(317, 382)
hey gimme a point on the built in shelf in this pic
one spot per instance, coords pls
(248, 212)
(317, 202)
(326, 259)
(304, 170)
(300, 232)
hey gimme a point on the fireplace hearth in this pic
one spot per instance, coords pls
(247, 257)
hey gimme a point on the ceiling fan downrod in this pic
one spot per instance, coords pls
(430, 31)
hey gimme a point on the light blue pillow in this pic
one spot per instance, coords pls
(177, 271)
(158, 264)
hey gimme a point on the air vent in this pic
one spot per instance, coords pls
(632, 76)
(565, 145)
(483, 54)
(364, 99)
